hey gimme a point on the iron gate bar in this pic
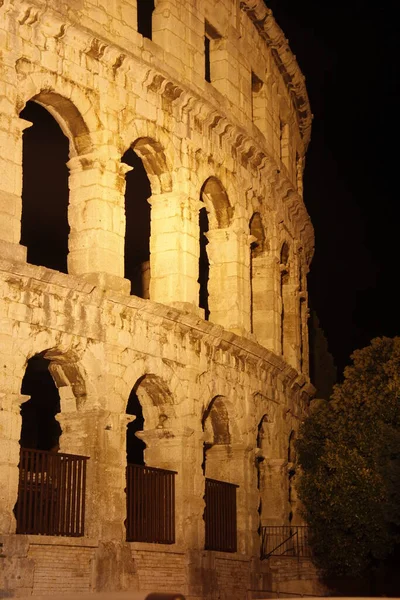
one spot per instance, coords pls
(51, 493)
(220, 515)
(150, 504)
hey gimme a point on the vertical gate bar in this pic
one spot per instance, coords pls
(73, 492)
(35, 493)
(78, 497)
(83, 495)
(44, 489)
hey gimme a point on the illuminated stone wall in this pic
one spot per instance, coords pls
(233, 145)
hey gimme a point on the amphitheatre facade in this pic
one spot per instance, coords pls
(154, 248)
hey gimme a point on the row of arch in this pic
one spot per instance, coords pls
(151, 401)
(45, 222)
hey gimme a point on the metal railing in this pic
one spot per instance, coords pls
(220, 516)
(150, 505)
(51, 493)
(284, 540)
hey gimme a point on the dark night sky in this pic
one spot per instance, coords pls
(349, 54)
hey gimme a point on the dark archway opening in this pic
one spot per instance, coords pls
(134, 446)
(137, 232)
(40, 429)
(44, 221)
(204, 263)
(145, 10)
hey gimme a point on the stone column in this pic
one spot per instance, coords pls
(228, 252)
(100, 435)
(96, 216)
(10, 432)
(181, 451)
(174, 250)
(266, 301)
(11, 129)
(291, 334)
(274, 491)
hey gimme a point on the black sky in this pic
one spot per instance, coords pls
(349, 54)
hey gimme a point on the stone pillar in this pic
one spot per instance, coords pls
(291, 334)
(228, 252)
(181, 451)
(10, 432)
(100, 435)
(266, 301)
(174, 250)
(11, 129)
(96, 217)
(174, 23)
(274, 491)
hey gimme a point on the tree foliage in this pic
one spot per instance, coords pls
(349, 454)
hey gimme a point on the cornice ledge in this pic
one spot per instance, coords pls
(270, 31)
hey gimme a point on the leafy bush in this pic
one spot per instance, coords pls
(349, 457)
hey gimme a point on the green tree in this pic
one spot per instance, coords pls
(349, 455)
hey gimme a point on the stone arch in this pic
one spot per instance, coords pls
(153, 377)
(217, 203)
(54, 387)
(151, 404)
(156, 399)
(152, 153)
(154, 147)
(258, 287)
(69, 376)
(60, 132)
(71, 108)
(215, 422)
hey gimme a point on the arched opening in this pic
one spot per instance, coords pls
(52, 484)
(215, 425)
(134, 446)
(204, 263)
(150, 490)
(213, 274)
(40, 429)
(44, 221)
(257, 247)
(137, 231)
(220, 494)
(284, 284)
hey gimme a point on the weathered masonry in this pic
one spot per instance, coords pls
(154, 248)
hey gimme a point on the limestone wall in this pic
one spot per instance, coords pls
(233, 145)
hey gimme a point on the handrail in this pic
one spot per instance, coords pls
(266, 557)
(275, 540)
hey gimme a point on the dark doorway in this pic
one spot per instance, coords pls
(40, 429)
(134, 446)
(204, 263)
(44, 223)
